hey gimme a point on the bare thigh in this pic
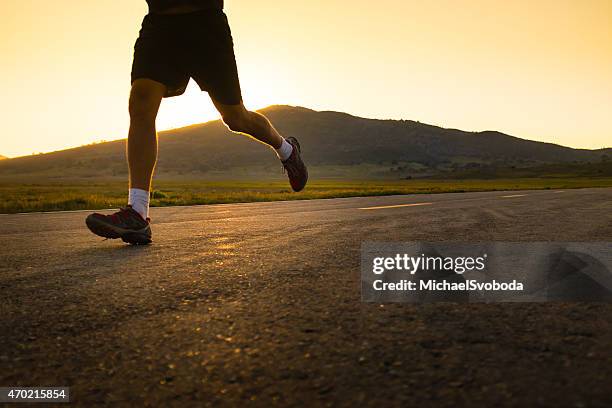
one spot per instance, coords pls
(145, 97)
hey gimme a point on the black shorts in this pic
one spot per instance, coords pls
(172, 48)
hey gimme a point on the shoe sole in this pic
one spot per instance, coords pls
(110, 231)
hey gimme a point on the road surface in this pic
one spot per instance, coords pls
(261, 302)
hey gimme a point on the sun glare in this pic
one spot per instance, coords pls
(192, 107)
(195, 106)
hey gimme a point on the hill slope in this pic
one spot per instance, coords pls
(333, 144)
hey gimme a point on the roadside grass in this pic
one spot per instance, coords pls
(80, 195)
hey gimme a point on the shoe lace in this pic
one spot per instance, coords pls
(120, 215)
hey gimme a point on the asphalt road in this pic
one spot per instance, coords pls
(261, 302)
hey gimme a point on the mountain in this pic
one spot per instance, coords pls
(3, 157)
(333, 143)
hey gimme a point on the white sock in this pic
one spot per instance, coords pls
(139, 200)
(284, 152)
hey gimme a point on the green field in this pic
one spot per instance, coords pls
(80, 195)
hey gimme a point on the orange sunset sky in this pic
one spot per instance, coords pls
(538, 69)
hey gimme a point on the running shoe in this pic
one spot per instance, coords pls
(126, 224)
(295, 167)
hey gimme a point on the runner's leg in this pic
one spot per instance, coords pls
(145, 98)
(256, 125)
(239, 119)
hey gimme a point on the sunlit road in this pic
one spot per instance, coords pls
(260, 302)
